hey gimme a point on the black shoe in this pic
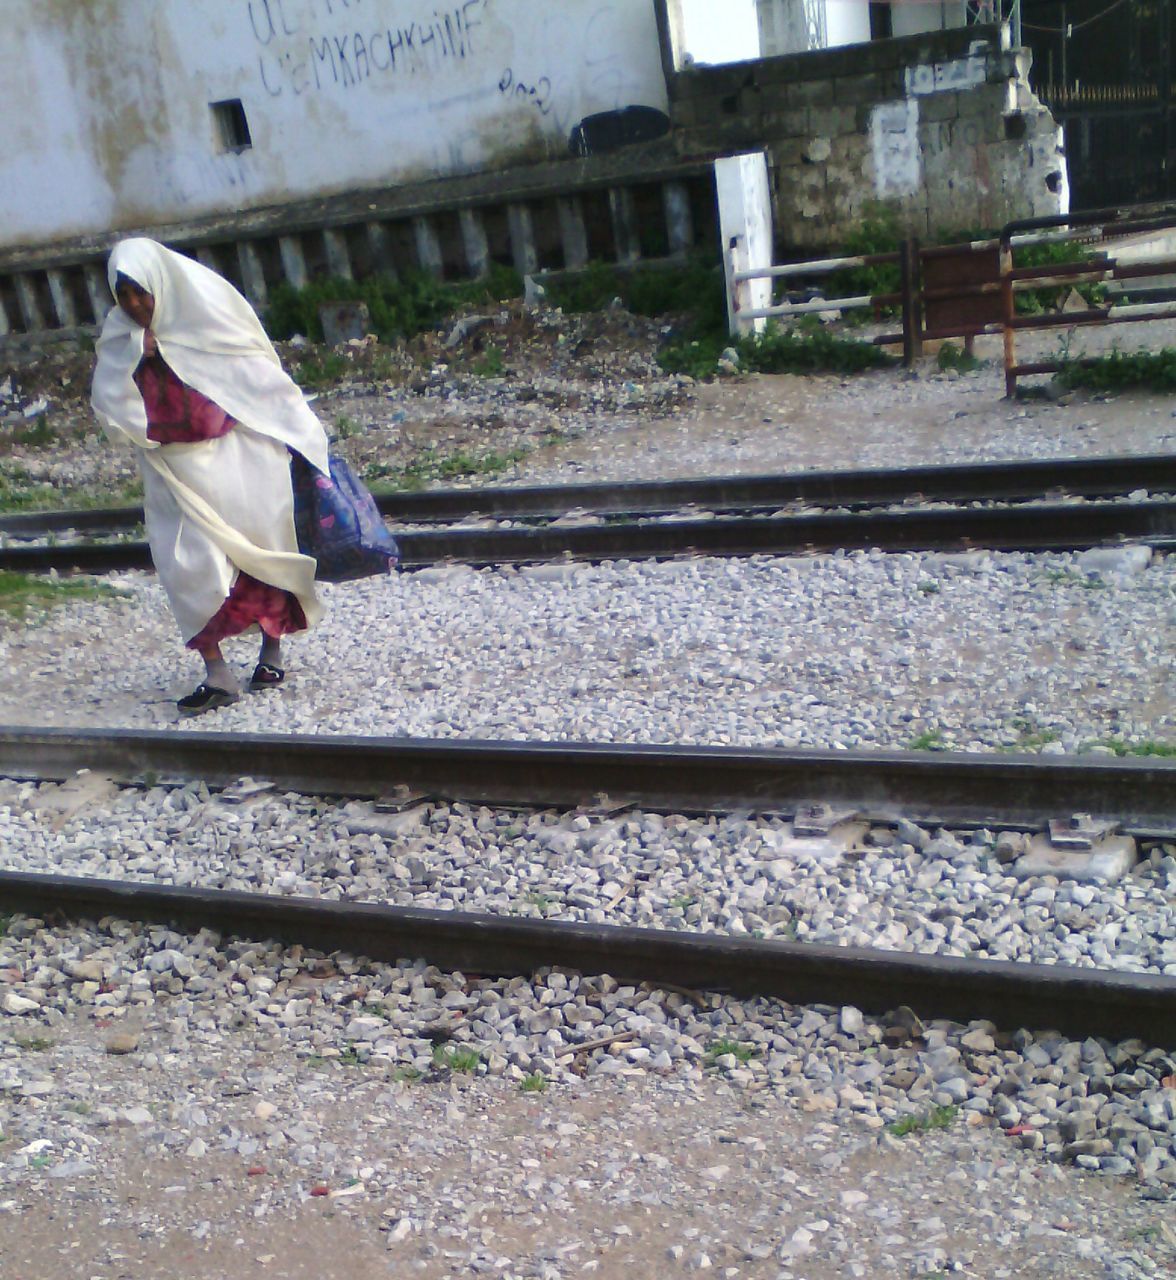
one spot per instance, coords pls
(205, 698)
(266, 676)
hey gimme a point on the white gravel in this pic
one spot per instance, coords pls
(909, 889)
(1060, 653)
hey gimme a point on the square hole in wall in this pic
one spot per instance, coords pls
(232, 128)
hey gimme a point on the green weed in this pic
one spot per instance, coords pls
(429, 466)
(950, 356)
(807, 348)
(326, 370)
(398, 308)
(463, 1061)
(490, 365)
(37, 434)
(1149, 747)
(21, 592)
(721, 1048)
(923, 1122)
(1067, 578)
(929, 588)
(406, 1075)
(1123, 370)
(350, 1058)
(34, 1044)
(534, 1083)
(346, 427)
(928, 740)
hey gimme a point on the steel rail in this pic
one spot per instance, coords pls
(942, 788)
(995, 481)
(1077, 1002)
(1044, 527)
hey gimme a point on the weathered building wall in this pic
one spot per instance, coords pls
(941, 128)
(107, 117)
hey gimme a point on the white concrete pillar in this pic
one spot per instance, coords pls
(63, 303)
(30, 303)
(293, 261)
(97, 290)
(474, 242)
(252, 273)
(379, 248)
(522, 239)
(572, 232)
(679, 219)
(428, 247)
(338, 259)
(745, 226)
(624, 224)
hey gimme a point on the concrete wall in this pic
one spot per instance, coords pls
(941, 128)
(106, 120)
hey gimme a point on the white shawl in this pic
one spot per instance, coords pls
(219, 505)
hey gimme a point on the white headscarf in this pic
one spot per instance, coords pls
(210, 335)
(224, 505)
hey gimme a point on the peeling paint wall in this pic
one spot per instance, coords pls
(108, 122)
(942, 128)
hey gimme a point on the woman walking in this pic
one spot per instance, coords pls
(187, 374)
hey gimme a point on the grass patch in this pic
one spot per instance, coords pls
(929, 588)
(429, 466)
(1123, 371)
(721, 1048)
(349, 1058)
(346, 427)
(398, 308)
(406, 1075)
(534, 1083)
(806, 348)
(22, 592)
(950, 356)
(320, 371)
(1067, 578)
(37, 433)
(20, 492)
(34, 1044)
(928, 740)
(490, 365)
(923, 1122)
(463, 1061)
(1149, 747)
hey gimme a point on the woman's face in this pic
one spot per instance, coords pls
(136, 302)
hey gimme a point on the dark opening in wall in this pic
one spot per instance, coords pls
(231, 126)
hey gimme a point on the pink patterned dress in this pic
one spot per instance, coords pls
(179, 414)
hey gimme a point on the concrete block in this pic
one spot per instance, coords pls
(827, 850)
(1115, 562)
(1108, 862)
(63, 305)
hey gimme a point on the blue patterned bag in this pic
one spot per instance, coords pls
(338, 523)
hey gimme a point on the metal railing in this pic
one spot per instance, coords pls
(968, 289)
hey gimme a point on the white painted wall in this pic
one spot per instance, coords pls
(106, 123)
(910, 17)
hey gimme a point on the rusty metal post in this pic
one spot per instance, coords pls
(1009, 312)
(912, 327)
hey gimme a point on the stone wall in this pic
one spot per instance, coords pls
(941, 128)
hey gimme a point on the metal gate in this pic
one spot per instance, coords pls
(1104, 69)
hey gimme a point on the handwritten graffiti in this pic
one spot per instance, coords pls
(943, 77)
(295, 58)
(539, 93)
(948, 135)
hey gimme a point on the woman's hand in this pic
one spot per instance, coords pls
(150, 346)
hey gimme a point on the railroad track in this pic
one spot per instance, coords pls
(938, 788)
(733, 526)
(992, 481)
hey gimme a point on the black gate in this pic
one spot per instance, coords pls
(1104, 68)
